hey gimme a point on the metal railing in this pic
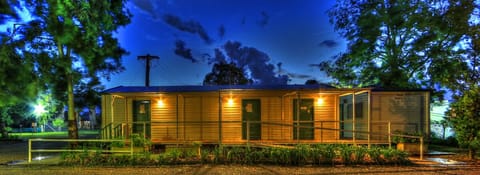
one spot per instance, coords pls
(73, 149)
(183, 131)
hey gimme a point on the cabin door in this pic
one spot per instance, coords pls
(141, 117)
(251, 116)
(303, 119)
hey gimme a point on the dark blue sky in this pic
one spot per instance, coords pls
(291, 32)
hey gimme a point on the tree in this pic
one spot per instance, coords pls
(18, 82)
(405, 44)
(67, 33)
(464, 112)
(465, 118)
(7, 10)
(226, 74)
(311, 82)
(395, 44)
(88, 96)
(444, 124)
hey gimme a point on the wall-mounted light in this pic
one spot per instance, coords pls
(230, 101)
(320, 101)
(160, 102)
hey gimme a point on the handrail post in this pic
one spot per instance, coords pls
(144, 128)
(389, 135)
(29, 150)
(321, 131)
(131, 147)
(421, 148)
(248, 131)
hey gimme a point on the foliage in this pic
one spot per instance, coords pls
(226, 74)
(65, 34)
(140, 141)
(7, 11)
(58, 122)
(398, 44)
(18, 82)
(297, 156)
(399, 137)
(15, 115)
(465, 118)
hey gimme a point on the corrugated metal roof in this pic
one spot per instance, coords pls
(198, 88)
(127, 89)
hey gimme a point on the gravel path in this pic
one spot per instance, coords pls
(240, 170)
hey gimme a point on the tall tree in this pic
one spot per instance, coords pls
(7, 10)
(464, 112)
(18, 82)
(419, 43)
(88, 96)
(69, 33)
(226, 74)
(393, 44)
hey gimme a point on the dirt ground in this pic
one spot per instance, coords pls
(11, 152)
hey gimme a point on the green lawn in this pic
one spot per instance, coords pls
(446, 148)
(61, 134)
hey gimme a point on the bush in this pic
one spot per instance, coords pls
(320, 154)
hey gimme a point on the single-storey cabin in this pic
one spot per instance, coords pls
(280, 114)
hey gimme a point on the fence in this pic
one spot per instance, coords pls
(61, 148)
(175, 132)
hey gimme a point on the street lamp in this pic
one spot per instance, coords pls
(39, 109)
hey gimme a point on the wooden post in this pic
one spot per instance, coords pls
(421, 148)
(248, 131)
(321, 131)
(144, 129)
(219, 118)
(354, 121)
(369, 117)
(298, 117)
(389, 135)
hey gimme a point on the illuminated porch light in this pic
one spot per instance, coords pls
(230, 101)
(161, 103)
(320, 101)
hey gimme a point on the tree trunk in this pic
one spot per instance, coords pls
(93, 117)
(72, 121)
(3, 129)
(472, 154)
(443, 136)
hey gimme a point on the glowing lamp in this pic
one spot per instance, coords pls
(160, 103)
(39, 109)
(230, 102)
(319, 101)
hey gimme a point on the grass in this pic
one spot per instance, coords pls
(443, 148)
(60, 134)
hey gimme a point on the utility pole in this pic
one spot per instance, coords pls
(147, 59)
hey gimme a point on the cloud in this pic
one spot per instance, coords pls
(191, 26)
(328, 43)
(146, 6)
(290, 74)
(256, 62)
(184, 52)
